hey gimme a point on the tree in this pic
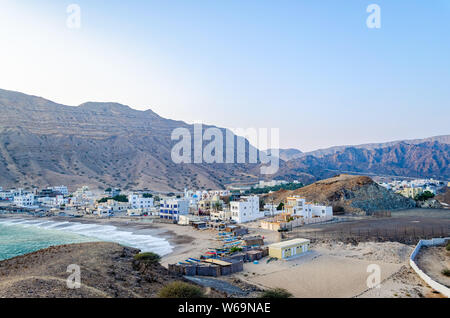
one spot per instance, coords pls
(120, 198)
(217, 206)
(424, 196)
(280, 206)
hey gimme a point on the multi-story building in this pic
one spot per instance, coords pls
(24, 200)
(55, 201)
(297, 206)
(171, 209)
(60, 189)
(139, 202)
(246, 209)
(113, 206)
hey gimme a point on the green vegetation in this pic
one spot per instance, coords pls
(287, 186)
(181, 290)
(276, 293)
(446, 272)
(217, 206)
(448, 247)
(148, 258)
(118, 198)
(235, 249)
(280, 206)
(424, 196)
(147, 195)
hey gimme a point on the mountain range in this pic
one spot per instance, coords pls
(43, 143)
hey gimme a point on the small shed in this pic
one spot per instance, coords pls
(288, 249)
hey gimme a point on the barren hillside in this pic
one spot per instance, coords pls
(107, 270)
(349, 193)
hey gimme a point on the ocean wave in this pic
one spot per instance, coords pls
(108, 233)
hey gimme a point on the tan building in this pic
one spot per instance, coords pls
(410, 192)
(288, 249)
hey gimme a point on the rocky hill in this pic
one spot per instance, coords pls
(348, 193)
(444, 198)
(107, 270)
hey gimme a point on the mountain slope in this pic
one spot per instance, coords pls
(99, 144)
(429, 159)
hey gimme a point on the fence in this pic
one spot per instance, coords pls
(402, 234)
(433, 284)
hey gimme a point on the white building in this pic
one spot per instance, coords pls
(104, 211)
(246, 209)
(53, 201)
(171, 209)
(297, 206)
(61, 189)
(82, 196)
(139, 202)
(272, 183)
(271, 210)
(220, 215)
(134, 212)
(25, 200)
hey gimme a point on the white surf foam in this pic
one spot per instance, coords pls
(108, 233)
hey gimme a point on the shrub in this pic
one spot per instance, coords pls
(276, 293)
(181, 290)
(148, 258)
(235, 249)
(446, 272)
(424, 196)
(448, 247)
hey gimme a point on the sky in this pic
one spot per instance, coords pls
(313, 69)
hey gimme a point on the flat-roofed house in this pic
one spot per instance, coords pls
(288, 249)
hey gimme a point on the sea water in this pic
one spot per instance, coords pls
(21, 236)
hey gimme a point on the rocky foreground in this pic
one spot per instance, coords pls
(107, 270)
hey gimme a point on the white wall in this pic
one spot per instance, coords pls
(433, 284)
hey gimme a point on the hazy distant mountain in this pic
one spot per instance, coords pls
(287, 154)
(444, 139)
(100, 144)
(427, 159)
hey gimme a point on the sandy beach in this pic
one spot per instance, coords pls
(329, 269)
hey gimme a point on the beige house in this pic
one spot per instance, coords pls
(288, 249)
(411, 192)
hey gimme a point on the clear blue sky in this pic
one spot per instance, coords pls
(311, 68)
